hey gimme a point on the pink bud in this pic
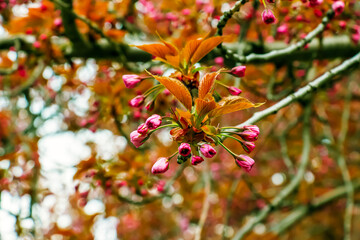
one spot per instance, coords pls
(207, 150)
(137, 138)
(37, 44)
(131, 80)
(314, 3)
(153, 121)
(160, 166)
(195, 160)
(137, 101)
(268, 16)
(234, 91)
(248, 146)
(43, 37)
(271, 1)
(253, 128)
(342, 24)
(143, 129)
(238, 71)
(248, 135)
(43, 7)
(282, 29)
(186, 11)
(184, 149)
(219, 61)
(150, 106)
(57, 22)
(245, 162)
(338, 7)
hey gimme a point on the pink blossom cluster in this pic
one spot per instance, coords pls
(138, 136)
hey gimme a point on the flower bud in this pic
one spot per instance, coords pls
(143, 129)
(238, 71)
(58, 22)
(268, 16)
(248, 135)
(248, 146)
(245, 162)
(137, 101)
(137, 138)
(184, 149)
(195, 160)
(131, 80)
(160, 166)
(153, 122)
(338, 7)
(234, 91)
(253, 128)
(207, 150)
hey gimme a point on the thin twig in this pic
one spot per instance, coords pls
(302, 92)
(227, 15)
(292, 186)
(342, 164)
(228, 205)
(304, 210)
(206, 204)
(285, 51)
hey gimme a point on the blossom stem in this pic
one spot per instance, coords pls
(233, 154)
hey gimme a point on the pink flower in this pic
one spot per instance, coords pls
(137, 138)
(160, 166)
(268, 16)
(195, 160)
(248, 135)
(338, 7)
(271, 1)
(137, 101)
(238, 71)
(143, 129)
(131, 80)
(234, 91)
(253, 128)
(184, 149)
(248, 146)
(207, 150)
(245, 162)
(153, 121)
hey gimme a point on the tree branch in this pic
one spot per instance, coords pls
(302, 211)
(310, 87)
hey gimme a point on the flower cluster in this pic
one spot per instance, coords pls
(193, 129)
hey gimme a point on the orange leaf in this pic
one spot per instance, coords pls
(207, 83)
(189, 50)
(203, 106)
(158, 49)
(177, 88)
(205, 47)
(232, 104)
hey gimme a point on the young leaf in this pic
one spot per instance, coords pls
(177, 88)
(205, 47)
(207, 83)
(232, 104)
